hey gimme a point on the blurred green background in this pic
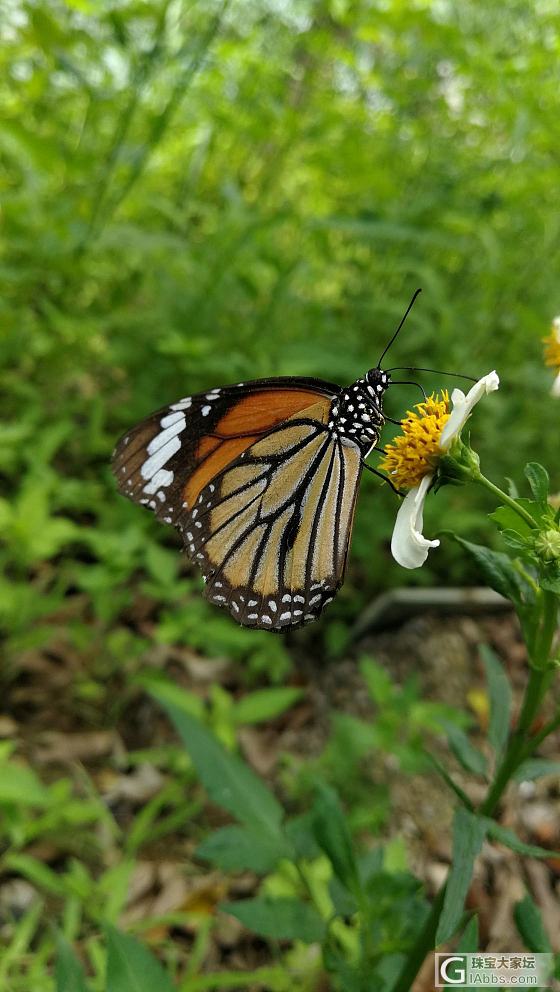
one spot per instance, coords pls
(199, 193)
(194, 194)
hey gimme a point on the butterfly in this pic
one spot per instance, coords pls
(260, 479)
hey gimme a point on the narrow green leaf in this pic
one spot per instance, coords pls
(499, 692)
(333, 836)
(509, 839)
(447, 778)
(168, 693)
(131, 967)
(468, 756)
(279, 919)
(240, 848)
(265, 704)
(531, 929)
(36, 872)
(19, 784)
(229, 782)
(536, 768)
(69, 973)
(468, 943)
(539, 481)
(468, 834)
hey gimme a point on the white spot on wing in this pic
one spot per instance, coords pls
(172, 418)
(159, 458)
(164, 436)
(162, 477)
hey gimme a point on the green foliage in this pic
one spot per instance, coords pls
(468, 834)
(130, 966)
(280, 919)
(530, 926)
(499, 693)
(69, 973)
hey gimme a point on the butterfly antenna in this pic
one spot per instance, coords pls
(408, 368)
(408, 382)
(408, 309)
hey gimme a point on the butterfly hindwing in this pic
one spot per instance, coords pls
(271, 531)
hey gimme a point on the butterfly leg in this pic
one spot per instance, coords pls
(384, 477)
(397, 423)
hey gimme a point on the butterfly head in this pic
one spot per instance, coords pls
(378, 380)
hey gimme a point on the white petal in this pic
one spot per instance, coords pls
(408, 545)
(463, 405)
(555, 391)
(556, 328)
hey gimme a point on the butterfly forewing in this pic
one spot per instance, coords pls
(170, 456)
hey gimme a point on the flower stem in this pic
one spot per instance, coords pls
(504, 498)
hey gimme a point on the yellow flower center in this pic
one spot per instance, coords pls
(552, 351)
(416, 452)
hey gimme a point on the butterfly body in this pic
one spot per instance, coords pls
(261, 480)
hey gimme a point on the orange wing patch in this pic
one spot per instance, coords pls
(262, 411)
(257, 413)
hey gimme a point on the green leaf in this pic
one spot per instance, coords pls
(468, 943)
(499, 693)
(240, 848)
(69, 973)
(468, 834)
(167, 692)
(539, 481)
(550, 578)
(279, 919)
(509, 521)
(229, 782)
(449, 781)
(536, 768)
(468, 756)
(131, 967)
(498, 571)
(529, 923)
(19, 784)
(333, 836)
(265, 704)
(38, 873)
(507, 837)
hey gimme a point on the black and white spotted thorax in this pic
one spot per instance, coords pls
(357, 411)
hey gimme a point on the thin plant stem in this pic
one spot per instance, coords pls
(504, 498)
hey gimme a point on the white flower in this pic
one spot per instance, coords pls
(408, 545)
(555, 391)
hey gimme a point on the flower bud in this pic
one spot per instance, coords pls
(547, 545)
